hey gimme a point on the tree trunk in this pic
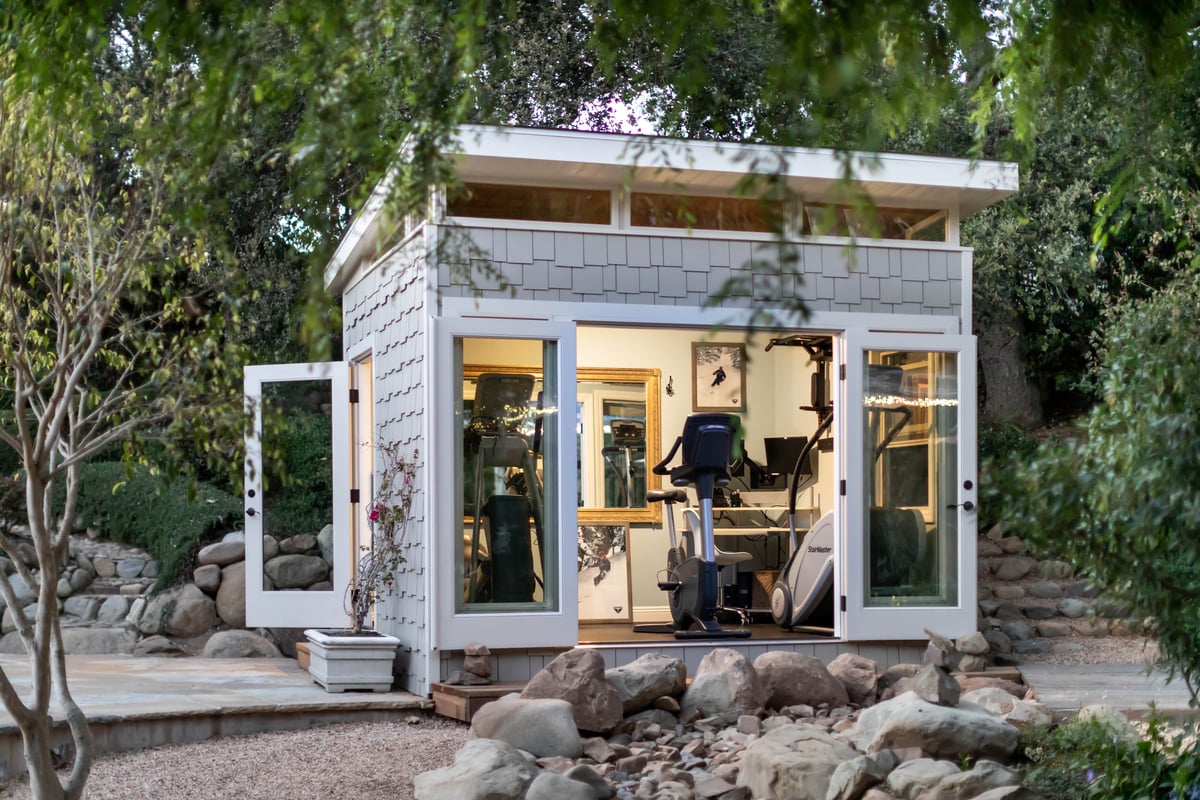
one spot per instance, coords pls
(1009, 395)
(39, 760)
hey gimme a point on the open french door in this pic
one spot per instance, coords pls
(298, 549)
(911, 485)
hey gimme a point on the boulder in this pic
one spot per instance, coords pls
(483, 769)
(1073, 608)
(577, 676)
(130, 567)
(983, 776)
(1015, 711)
(222, 553)
(909, 721)
(914, 778)
(969, 683)
(973, 644)
(477, 661)
(791, 679)
(295, 571)
(934, 685)
(184, 611)
(157, 646)
(239, 644)
(231, 596)
(650, 677)
(552, 786)
(81, 579)
(852, 778)
(270, 547)
(208, 578)
(1014, 568)
(859, 674)
(541, 727)
(726, 685)
(796, 761)
(299, 544)
(325, 543)
(83, 607)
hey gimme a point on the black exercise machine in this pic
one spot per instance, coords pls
(692, 582)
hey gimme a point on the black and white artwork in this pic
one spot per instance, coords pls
(604, 573)
(718, 376)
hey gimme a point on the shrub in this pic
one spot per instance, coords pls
(1122, 502)
(170, 520)
(1088, 759)
(1003, 450)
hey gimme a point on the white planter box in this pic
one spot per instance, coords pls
(340, 660)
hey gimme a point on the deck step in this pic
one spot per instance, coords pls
(461, 702)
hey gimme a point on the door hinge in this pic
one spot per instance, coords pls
(354, 395)
(842, 372)
(843, 602)
(842, 487)
(354, 496)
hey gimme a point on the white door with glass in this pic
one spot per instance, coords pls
(911, 485)
(505, 483)
(298, 511)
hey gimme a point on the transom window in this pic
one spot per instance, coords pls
(531, 203)
(704, 213)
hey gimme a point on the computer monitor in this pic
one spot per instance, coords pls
(782, 453)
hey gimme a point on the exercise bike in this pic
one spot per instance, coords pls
(691, 582)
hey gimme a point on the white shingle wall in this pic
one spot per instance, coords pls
(685, 271)
(390, 303)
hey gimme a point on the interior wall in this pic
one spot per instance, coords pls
(777, 384)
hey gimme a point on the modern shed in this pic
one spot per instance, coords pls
(538, 340)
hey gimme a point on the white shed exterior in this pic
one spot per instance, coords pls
(408, 293)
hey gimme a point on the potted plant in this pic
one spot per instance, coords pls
(360, 657)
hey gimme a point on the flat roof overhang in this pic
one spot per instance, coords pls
(537, 156)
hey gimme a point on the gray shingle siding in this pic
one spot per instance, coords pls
(682, 270)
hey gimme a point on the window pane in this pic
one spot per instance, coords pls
(538, 203)
(705, 213)
(297, 486)
(916, 224)
(910, 413)
(508, 446)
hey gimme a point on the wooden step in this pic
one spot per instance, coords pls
(461, 702)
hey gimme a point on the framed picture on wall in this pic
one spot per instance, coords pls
(718, 376)
(604, 591)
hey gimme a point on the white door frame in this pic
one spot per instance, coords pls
(298, 609)
(899, 623)
(455, 629)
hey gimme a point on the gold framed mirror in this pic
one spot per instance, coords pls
(618, 435)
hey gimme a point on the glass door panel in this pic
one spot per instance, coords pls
(910, 465)
(297, 495)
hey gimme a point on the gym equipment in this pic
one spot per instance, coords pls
(802, 598)
(629, 437)
(501, 551)
(691, 582)
(804, 591)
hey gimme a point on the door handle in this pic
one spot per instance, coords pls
(967, 505)
(250, 512)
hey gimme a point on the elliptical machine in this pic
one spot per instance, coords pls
(692, 582)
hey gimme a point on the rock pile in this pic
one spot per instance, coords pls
(782, 727)
(106, 609)
(1027, 606)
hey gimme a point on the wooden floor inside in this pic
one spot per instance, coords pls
(623, 633)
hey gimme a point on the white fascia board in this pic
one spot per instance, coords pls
(360, 238)
(528, 154)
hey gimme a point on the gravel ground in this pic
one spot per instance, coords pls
(361, 761)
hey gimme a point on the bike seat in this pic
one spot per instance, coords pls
(666, 496)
